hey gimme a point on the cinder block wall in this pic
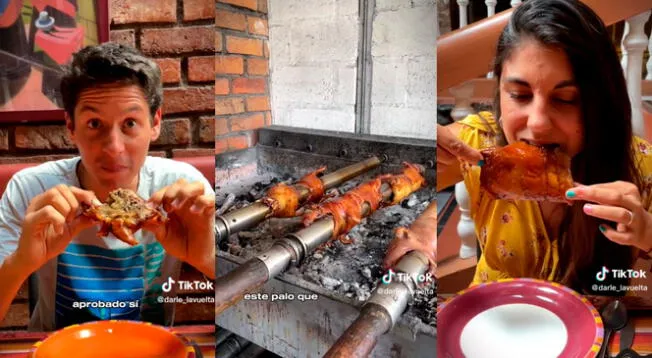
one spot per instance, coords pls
(314, 65)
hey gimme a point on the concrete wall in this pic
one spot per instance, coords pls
(403, 101)
(314, 53)
(314, 46)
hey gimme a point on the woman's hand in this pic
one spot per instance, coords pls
(619, 202)
(450, 151)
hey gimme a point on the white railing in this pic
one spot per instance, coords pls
(633, 45)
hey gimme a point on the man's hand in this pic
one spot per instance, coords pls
(421, 237)
(189, 232)
(51, 221)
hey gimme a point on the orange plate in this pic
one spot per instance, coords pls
(113, 339)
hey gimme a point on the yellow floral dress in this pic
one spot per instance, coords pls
(512, 234)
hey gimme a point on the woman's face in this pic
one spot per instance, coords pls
(539, 100)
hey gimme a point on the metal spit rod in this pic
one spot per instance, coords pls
(291, 250)
(249, 216)
(381, 311)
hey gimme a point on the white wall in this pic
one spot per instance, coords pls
(314, 48)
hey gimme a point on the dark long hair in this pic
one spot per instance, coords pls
(607, 155)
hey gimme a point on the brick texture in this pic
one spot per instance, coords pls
(42, 137)
(178, 40)
(248, 4)
(192, 99)
(180, 37)
(242, 73)
(125, 37)
(201, 69)
(143, 11)
(198, 9)
(170, 69)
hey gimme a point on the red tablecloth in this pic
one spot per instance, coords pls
(16, 344)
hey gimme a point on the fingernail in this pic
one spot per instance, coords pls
(96, 202)
(570, 194)
(588, 208)
(602, 228)
(175, 203)
(481, 163)
(195, 209)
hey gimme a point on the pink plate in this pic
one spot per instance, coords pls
(522, 316)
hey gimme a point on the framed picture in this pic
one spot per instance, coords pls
(37, 37)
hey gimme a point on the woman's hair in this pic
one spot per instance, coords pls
(607, 156)
(111, 64)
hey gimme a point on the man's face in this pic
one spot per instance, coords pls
(112, 131)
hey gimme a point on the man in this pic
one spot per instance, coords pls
(112, 100)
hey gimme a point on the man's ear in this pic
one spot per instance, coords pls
(156, 124)
(70, 127)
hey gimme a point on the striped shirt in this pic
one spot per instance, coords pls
(96, 278)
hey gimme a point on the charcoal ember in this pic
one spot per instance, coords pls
(353, 271)
(330, 283)
(411, 202)
(366, 272)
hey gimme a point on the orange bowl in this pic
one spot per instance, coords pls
(113, 339)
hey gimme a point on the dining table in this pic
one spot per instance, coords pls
(639, 312)
(17, 344)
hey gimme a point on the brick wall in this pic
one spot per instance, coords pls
(179, 35)
(242, 73)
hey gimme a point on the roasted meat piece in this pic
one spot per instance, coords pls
(124, 213)
(284, 200)
(314, 185)
(521, 171)
(406, 183)
(346, 210)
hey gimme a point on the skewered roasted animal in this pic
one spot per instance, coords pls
(521, 171)
(347, 210)
(406, 183)
(284, 200)
(123, 214)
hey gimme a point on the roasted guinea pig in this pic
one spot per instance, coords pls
(123, 213)
(284, 200)
(521, 171)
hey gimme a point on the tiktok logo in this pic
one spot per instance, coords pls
(602, 275)
(167, 287)
(387, 278)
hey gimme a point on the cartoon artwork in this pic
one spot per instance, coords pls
(36, 38)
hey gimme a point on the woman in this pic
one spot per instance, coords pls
(560, 83)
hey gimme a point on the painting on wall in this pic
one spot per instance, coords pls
(38, 37)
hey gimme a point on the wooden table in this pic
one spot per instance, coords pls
(16, 344)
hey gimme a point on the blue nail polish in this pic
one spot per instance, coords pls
(481, 163)
(570, 194)
(602, 228)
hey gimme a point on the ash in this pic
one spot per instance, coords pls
(353, 270)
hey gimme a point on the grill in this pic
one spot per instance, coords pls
(312, 303)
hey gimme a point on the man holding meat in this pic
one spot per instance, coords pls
(112, 100)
